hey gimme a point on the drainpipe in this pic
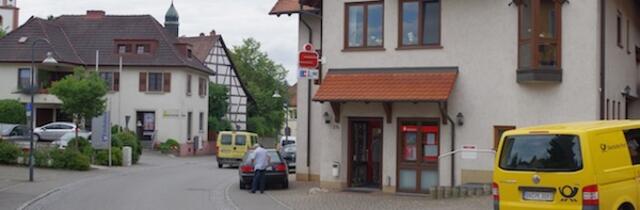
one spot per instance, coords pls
(309, 87)
(602, 56)
(453, 142)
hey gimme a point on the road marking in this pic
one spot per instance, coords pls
(228, 198)
(279, 202)
(10, 186)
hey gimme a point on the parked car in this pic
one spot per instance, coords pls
(277, 172)
(587, 165)
(63, 142)
(53, 131)
(232, 145)
(288, 153)
(286, 140)
(15, 133)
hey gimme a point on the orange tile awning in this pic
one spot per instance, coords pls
(288, 7)
(415, 85)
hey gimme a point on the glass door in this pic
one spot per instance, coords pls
(365, 151)
(418, 151)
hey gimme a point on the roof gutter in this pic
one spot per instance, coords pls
(602, 56)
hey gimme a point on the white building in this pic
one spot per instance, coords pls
(407, 82)
(9, 15)
(160, 93)
(212, 50)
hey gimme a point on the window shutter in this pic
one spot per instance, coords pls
(204, 87)
(116, 81)
(143, 82)
(167, 82)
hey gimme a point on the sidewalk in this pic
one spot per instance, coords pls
(301, 197)
(15, 189)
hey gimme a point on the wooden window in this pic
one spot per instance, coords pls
(201, 122)
(202, 87)
(189, 53)
(143, 49)
(539, 34)
(24, 78)
(419, 23)
(364, 25)
(142, 82)
(619, 29)
(166, 87)
(498, 130)
(112, 80)
(154, 82)
(124, 48)
(189, 84)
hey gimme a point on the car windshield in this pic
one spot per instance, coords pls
(275, 158)
(287, 142)
(290, 148)
(541, 153)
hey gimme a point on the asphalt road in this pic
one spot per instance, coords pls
(192, 183)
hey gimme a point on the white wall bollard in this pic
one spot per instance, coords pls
(126, 156)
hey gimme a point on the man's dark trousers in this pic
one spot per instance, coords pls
(259, 178)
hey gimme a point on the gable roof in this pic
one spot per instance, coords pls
(75, 39)
(203, 46)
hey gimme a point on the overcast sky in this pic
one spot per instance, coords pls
(234, 19)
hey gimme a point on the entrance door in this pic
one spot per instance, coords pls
(145, 125)
(418, 151)
(365, 152)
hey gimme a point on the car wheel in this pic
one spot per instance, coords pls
(242, 185)
(36, 137)
(285, 184)
(625, 207)
(219, 165)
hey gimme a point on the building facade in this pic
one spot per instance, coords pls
(9, 15)
(157, 88)
(406, 84)
(212, 50)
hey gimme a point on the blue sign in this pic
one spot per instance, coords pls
(29, 107)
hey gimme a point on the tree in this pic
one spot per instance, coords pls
(3, 33)
(82, 94)
(218, 106)
(12, 112)
(263, 77)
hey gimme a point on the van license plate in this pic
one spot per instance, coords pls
(537, 196)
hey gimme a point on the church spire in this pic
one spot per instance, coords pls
(171, 21)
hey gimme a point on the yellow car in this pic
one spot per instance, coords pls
(584, 165)
(232, 145)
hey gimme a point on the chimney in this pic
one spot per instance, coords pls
(212, 33)
(201, 34)
(95, 14)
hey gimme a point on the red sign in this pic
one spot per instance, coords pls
(308, 58)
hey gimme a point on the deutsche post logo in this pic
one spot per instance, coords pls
(568, 193)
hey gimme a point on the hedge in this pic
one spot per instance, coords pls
(169, 145)
(9, 153)
(12, 112)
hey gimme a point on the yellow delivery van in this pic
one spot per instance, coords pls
(232, 145)
(581, 166)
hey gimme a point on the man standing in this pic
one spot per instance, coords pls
(261, 161)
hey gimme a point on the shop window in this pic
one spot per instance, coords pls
(364, 24)
(418, 154)
(539, 40)
(420, 23)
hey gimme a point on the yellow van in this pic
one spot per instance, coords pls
(584, 165)
(232, 145)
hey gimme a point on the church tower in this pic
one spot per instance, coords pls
(8, 15)
(171, 23)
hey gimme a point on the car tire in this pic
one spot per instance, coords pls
(219, 165)
(242, 185)
(626, 207)
(285, 184)
(36, 138)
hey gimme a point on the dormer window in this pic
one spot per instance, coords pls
(189, 53)
(143, 49)
(124, 48)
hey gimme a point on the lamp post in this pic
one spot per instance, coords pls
(48, 60)
(286, 136)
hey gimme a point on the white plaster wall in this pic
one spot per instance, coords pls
(480, 38)
(7, 19)
(621, 68)
(129, 100)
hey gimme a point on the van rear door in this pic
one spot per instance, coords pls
(539, 172)
(225, 142)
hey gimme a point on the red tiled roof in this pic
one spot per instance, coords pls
(288, 7)
(201, 45)
(387, 86)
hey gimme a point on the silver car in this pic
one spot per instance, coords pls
(63, 142)
(14, 133)
(53, 131)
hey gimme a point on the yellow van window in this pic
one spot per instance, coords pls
(241, 140)
(541, 153)
(225, 139)
(254, 140)
(633, 144)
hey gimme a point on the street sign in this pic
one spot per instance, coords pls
(101, 131)
(308, 58)
(469, 152)
(314, 74)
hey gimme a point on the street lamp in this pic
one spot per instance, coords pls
(48, 60)
(276, 94)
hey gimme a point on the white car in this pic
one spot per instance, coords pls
(63, 142)
(53, 131)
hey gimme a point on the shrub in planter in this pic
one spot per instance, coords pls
(169, 146)
(9, 153)
(76, 161)
(129, 139)
(42, 157)
(102, 157)
(58, 157)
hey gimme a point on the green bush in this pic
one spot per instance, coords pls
(58, 157)
(41, 157)
(102, 157)
(169, 145)
(84, 146)
(116, 129)
(9, 153)
(12, 112)
(129, 139)
(76, 161)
